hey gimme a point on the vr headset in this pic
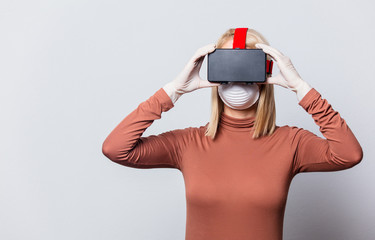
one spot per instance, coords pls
(238, 64)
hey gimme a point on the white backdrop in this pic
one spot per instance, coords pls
(71, 70)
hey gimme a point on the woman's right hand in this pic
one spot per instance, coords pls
(189, 80)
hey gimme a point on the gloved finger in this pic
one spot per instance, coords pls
(275, 54)
(199, 64)
(272, 48)
(278, 79)
(203, 51)
(206, 83)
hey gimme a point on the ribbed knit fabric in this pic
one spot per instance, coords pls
(236, 186)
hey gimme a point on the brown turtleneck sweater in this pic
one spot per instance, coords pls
(236, 186)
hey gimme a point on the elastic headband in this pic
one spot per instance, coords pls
(239, 41)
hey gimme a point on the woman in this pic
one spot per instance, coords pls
(238, 167)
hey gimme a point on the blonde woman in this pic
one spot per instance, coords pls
(238, 167)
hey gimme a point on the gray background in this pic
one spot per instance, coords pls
(71, 70)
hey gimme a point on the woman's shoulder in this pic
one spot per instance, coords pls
(196, 132)
(291, 131)
(188, 132)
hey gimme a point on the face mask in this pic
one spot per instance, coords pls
(239, 95)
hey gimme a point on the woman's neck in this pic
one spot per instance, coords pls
(249, 112)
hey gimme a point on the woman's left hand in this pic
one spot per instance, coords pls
(288, 76)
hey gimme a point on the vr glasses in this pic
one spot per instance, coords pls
(238, 64)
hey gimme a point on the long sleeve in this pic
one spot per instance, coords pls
(340, 150)
(125, 146)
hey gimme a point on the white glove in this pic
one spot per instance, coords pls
(288, 76)
(189, 80)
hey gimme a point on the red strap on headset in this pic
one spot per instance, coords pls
(269, 66)
(239, 41)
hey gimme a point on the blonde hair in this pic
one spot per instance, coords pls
(265, 120)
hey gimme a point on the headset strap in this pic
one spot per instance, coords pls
(239, 41)
(239, 38)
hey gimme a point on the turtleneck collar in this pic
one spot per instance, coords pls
(236, 124)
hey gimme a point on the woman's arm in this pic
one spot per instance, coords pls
(340, 150)
(125, 146)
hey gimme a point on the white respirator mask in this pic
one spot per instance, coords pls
(239, 95)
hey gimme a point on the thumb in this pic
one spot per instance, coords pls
(275, 79)
(206, 83)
